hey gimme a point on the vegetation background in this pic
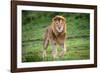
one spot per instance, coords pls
(34, 24)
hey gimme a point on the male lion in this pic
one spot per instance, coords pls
(55, 34)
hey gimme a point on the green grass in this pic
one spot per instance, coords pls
(77, 49)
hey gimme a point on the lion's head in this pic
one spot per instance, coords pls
(59, 24)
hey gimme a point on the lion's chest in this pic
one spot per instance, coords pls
(59, 39)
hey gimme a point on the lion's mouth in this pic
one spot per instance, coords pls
(59, 29)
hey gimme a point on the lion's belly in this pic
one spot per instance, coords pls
(59, 40)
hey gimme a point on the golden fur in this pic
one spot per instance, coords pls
(55, 34)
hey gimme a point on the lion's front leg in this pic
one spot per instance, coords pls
(63, 50)
(44, 54)
(54, 51)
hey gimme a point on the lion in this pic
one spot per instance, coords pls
(55, 35)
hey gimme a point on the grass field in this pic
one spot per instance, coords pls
(33, 28)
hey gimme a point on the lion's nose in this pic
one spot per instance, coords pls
(59, 27)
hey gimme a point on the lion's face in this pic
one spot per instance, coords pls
(59, 23)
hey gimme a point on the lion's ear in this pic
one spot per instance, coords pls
(53, 19)
(64, 18)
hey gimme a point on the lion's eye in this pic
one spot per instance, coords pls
(57, 23)
(62, 23)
